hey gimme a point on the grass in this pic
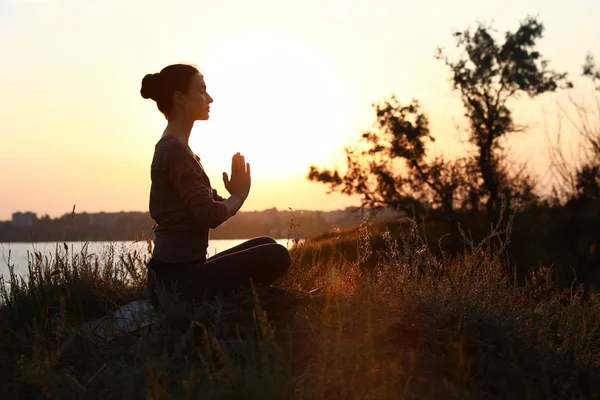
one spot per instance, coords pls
(395, 321)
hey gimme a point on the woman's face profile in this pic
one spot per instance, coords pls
(196, 103)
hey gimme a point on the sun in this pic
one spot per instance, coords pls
(277, 101)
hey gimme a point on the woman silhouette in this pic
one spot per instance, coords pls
(185, 206)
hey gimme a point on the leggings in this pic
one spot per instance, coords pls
(261, 259)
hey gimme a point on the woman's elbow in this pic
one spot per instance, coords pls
(215, 224)
(218, 215)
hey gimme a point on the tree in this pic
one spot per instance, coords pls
(588, 175)
(388, 168)
(580, 178)
(590, 70)
(488, 74)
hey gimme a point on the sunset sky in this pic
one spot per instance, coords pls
(292, 80)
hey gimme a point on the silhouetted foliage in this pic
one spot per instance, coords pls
(487, 75)
(580, 179)
(591, 70)
(388, 167)
(392, 169)
(588, 175)
(588, 182)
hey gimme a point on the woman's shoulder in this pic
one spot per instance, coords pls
(169, 141)
(165, 148)
(170, 148)
(169, 144)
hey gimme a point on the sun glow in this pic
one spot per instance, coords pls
(277, 101)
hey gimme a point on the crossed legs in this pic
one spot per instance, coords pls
(260, 259)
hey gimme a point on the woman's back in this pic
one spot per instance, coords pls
(179, 186)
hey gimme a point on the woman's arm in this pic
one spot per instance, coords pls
(198, 197)
(233, 204)
(216, 196)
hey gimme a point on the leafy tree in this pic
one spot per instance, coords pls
(388, 168)
(487, 75)
(588, 182)
(588, 176)
(590, 70)
(580, 178)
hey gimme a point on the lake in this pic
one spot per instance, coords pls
(19, 256)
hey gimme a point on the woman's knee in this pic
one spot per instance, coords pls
(263, 240)
(282, 257)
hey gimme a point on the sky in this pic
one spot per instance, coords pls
(293, 82)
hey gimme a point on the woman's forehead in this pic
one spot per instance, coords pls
(199, 80)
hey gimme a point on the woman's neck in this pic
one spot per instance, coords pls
(180, 129)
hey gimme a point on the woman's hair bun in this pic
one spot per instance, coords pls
(161, 86)
(151, 86)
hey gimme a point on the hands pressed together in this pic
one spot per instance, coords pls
(239, 183)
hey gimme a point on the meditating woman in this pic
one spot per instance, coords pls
(185, 206)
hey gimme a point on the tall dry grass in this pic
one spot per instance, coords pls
(408, 325)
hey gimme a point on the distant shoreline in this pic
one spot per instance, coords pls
(27, 227)
(117, 240)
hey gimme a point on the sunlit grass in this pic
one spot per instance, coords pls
(392, 321)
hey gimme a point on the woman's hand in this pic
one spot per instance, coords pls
(239, 184)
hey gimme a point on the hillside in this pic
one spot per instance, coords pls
(411, 325)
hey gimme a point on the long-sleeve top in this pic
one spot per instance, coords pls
(182, 203)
